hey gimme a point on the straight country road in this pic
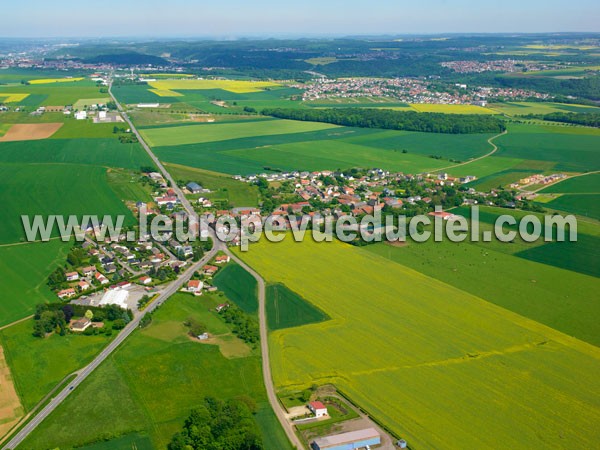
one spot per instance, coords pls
(83, 373)
(173, 287)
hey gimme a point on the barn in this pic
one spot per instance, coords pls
(348, 441)
(194, 188)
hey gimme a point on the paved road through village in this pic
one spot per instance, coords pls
(173, 287)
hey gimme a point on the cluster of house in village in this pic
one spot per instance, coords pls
(501, 65)
(197, 285)
(538, 179)
(410, 90)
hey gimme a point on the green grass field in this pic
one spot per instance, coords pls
(223, 187)
(196, 134)
(571, 149)
(525, 108)
(331, 148)
(239, 286)
(54, 94)
(439, 366)
(160, 374)
(586, 184)
(286, 309)
(38, 365)
(44, 189)
(127, 186)
(451, 109)
(85, 129)
(24, 269)
(98, 152)
(587, 205)
(138, 441)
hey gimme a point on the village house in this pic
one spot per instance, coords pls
(209, 271)
(80, 325)
(195, 286)
(83, 285)
(72, 276)
(145, 279)
(222, 259)
(221, 307)
(88, 271)
(101, 278)
(66, 293)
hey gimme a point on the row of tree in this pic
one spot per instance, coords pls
(244, 326)
(218, 425)
(585, 119)
(394, 120)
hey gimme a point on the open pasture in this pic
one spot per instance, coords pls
(30, 132)
(161, 374)
(435, 364)
(236, 86)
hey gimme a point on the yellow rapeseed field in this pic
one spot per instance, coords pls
(7, 97)
(165, 93)
(54, 80)
(438, 366)
(451, 109)
(236, 86)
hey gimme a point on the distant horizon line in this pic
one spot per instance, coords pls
(278, 36)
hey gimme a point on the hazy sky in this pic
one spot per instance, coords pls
(232, 18)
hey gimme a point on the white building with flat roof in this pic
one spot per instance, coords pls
(116, 296)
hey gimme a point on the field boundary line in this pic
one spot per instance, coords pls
(15, 322)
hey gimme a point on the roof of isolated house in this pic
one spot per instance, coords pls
(317, 405)
(194, 284)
